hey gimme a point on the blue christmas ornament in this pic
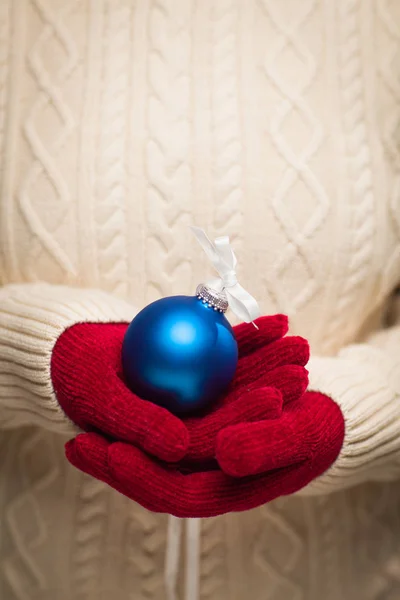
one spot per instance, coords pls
(180, 352)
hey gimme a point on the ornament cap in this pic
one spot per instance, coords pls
(216, 300)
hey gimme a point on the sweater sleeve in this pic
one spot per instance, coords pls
(32, 317)
(364, 380)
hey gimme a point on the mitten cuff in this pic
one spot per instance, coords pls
(360, 381)
(32, 317)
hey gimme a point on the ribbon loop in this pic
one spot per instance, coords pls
(224, 261)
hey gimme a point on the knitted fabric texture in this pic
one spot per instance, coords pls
(273, 121)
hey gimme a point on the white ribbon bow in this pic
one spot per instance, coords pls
(224, 262)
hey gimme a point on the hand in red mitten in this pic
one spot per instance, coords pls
(88, 380)
(261, 461)
(291, 450)
(266, 360)
(270, 371)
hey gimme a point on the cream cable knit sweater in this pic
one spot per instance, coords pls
(123, 121)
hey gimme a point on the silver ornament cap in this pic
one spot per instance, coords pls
(216, 300)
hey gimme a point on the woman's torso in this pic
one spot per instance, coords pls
(275, 122)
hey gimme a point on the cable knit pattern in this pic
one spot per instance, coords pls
(111, 162)
(389, 19)
(228, 192)
(5, 22)
(23, 570)
(275, 122)
(44, 165)
(90, 537)
(167, 150)
(8, 118)
(360, 192)
(297, 167)
(143, 573)
(278, 528)
(213, 568)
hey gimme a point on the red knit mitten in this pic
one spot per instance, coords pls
(270, 372)
(290, 451)
(302, 443)
(89, 384)
(87, 377)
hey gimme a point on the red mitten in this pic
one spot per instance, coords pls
(270, 372)
(87, 378)
(301, 445)
(88, 381)
(162, 488)
(298, 447)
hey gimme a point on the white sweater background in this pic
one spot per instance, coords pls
(274, 121)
